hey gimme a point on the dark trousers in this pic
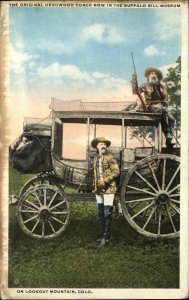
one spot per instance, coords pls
(167, 120)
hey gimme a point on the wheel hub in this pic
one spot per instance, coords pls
(44, 213)
(162, 198)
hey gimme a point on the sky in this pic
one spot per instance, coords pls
(85, 53)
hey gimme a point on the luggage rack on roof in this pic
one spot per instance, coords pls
(79, 105)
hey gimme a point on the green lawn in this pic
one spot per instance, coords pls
(73, 260)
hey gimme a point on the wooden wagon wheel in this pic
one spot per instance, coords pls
(43, 212)
(150, 196)
(37, 180)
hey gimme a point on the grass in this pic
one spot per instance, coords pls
(72, 260)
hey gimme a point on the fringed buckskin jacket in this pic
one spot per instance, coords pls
(152, 94)
(110, 171)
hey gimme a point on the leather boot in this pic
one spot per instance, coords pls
(101, 219)
(169, 143)
(108, 219)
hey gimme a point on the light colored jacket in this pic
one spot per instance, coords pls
(110, 173)
(152, 98)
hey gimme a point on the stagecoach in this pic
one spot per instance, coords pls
(149, 181)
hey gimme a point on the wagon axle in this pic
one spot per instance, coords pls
(44, 213)
(162, 198)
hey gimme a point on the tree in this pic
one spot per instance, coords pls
(173, 80)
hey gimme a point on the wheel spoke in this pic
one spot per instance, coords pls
(57, 220)
(163, 176)
(144, 213)
(43, 229)
(59, 212)
(139, 200)
(143, 209)
(146, 181)
(45, 197)
(155, 216)
(173, 200)
(32, 204)
(35, 226)
(29, 211)
(175, 195)
(176, 187)
(174, 175)
(175, 208)
(140, 190)
(36, 196)
(170, 218)
(51, 226)
(150, 216)
(58, 204)
(52, 199)
(28, 207)
(154, 176)
(34, 217)
(159, 222)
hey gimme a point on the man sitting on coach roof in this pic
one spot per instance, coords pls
(154, 97)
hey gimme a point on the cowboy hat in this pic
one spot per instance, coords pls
(101, 139)
(153, 69)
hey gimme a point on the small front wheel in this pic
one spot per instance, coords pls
(43, 212)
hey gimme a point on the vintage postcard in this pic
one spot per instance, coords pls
(94, 149)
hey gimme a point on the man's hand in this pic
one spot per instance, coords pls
(102, 184)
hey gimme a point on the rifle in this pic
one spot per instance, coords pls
(135, 86)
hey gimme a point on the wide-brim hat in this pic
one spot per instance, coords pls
(100, 140)
(153, 69)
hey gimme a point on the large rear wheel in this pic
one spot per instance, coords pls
(150, 196)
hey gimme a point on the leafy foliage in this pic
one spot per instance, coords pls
(143, 134)
(173, 80)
